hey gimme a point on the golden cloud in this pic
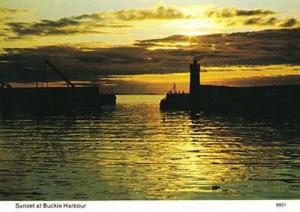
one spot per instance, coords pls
(90, 23)
(234, 12)
(254, 17)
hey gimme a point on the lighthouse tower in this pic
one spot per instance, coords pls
(194, 77)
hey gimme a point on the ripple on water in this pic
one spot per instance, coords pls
(138, 152)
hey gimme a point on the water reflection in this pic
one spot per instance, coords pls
(137, 152)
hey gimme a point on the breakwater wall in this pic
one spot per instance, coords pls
(52, 100)
(273, 101)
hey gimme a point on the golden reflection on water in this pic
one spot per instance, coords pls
(138, 152)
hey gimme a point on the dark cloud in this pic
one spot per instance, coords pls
(8, 14)
(94, 16)
(61, 27)
(253, 21)
(290, 23)
(260, 21)
(4, 10)
(271, 21)
(250, 48)
(64, 26)
(233, 12)
(254, 12)
(256, 17)
(90, 23)
(156, 13)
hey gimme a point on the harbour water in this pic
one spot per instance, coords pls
(136, 152)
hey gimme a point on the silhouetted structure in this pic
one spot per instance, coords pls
(42, 100)
(194, 77)
(272, 101)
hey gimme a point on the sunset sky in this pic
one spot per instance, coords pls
(121, 37)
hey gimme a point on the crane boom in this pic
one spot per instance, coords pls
(68, 82)
(5, 84)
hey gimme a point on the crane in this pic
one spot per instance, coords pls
(68, 82)
(5, 84)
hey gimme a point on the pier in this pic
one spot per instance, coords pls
(272, 101)
(44, 100)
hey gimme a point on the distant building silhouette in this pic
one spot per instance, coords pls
(194, 77)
